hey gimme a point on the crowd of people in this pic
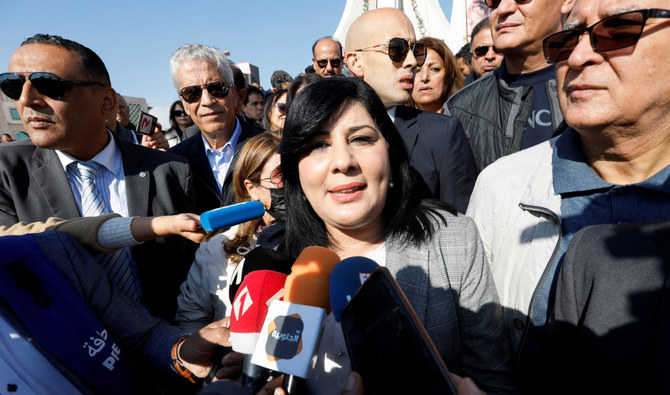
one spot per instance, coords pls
(521, 208)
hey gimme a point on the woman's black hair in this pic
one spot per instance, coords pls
(298, 83)
(270, 102)
(173, 121)
(407, 215)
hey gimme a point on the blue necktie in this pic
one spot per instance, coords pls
(116, 264)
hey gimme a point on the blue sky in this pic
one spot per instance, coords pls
(136, 38)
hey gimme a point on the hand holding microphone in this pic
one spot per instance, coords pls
(292, 328)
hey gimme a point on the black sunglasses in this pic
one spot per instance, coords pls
(483, 50)
(493, 4)
(334, 63)
(178, 113)
(192, 94)
(399, 48)
(281, 106)
(614, 32)
(50, 85)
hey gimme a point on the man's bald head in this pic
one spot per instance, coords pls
(368, 58)
(372, 24)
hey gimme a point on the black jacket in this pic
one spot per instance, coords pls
(494, 115)
(439, 151)
(206, 188)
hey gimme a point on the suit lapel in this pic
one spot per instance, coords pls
(409, 266)
(200, 165)
(52, 181)
(406, 122)
(137, 179)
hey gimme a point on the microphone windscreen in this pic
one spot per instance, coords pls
(308, 282)
(345, 279)
(225, 217)
(250, 306)
(260, 258)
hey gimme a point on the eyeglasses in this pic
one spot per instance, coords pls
(50, 85)
(482, 50)
(398, 49)
(178, 113)
(334, 63)
(281, 106)
(612, 33)
(493, 4)
(192, 94)
(276, 177)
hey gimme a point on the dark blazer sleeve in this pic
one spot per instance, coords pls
(457, 167)
(139, 334)
(159, 183)
(440, 152)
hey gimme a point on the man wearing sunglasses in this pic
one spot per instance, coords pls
(516, 106)
(381, 49)
(327, 57)
(62, 92)
(204, 81)
(485, 56)
(611, 166)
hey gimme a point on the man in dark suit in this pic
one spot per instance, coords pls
(62, 92)
(203, 79)
(380, 49)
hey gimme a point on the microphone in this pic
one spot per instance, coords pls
(224, 217)
(292, 328)
(259, 258)
(309, 279)
(250, 306)
(345, 279)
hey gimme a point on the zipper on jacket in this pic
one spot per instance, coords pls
(542, 279)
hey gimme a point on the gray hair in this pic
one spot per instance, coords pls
(199, 51)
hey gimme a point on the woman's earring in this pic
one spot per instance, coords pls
(391, 184)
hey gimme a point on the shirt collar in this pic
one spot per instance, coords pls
(109, 157)
(391, 112)
(232, 141)
(572, 173)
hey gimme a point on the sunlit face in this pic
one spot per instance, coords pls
(211, 114)
(621, 88)
(261, 190)
(488, 62)
(327, 49)
(278, 115)
(254, 107)
(521, 27)
(429, 82)
(392, 81)
(123, 113)
(75, 123)
(345, 172)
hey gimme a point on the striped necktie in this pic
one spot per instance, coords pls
(117, 263)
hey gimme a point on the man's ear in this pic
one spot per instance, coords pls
(109, 102)
(567, 7)
(354, 65)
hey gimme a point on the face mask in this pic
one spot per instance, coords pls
(277, 203)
